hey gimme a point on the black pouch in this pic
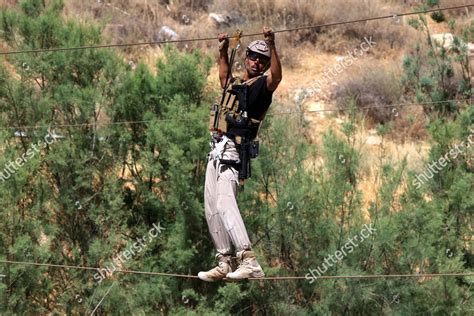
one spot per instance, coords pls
(254, 149)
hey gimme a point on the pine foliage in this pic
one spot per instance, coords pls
(128, 153)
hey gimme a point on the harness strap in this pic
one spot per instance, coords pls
(218, 148)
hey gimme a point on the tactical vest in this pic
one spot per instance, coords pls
(231, 117)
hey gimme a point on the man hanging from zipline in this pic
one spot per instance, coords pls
(234, 126)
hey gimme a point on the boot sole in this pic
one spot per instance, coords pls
(252, 275)
(206, 279)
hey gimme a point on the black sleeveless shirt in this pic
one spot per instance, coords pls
(259, 100)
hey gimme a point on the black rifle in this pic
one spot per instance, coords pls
(248, 150)
(241, 126)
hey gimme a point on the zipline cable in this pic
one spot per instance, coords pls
(369, 19)
(394, 106)
(275, 278)
(58, 49)
(95, 269)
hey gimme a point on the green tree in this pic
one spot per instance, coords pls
(439, 72)
(130, 152)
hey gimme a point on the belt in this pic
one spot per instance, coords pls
(229, 136)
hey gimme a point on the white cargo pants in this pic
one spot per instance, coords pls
(222, 213)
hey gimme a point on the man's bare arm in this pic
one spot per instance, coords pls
(223, 59)
(275, 75)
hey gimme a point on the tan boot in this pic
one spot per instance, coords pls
(248, 267)
(219, 272)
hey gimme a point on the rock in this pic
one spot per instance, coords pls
(444, 40)
(470, 49)
(220, 19)
(166, 34)
(373, 140)
(237, 17)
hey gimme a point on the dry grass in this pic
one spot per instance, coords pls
(377, 151)
(141, 20)
(281, 14)
(374, 85)
(6, 4)
(459, 13)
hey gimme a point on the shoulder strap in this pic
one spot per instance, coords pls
(251, 81)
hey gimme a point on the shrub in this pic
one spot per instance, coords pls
(371, 85)
(436, 74)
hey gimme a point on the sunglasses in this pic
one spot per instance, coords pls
(254, 56)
